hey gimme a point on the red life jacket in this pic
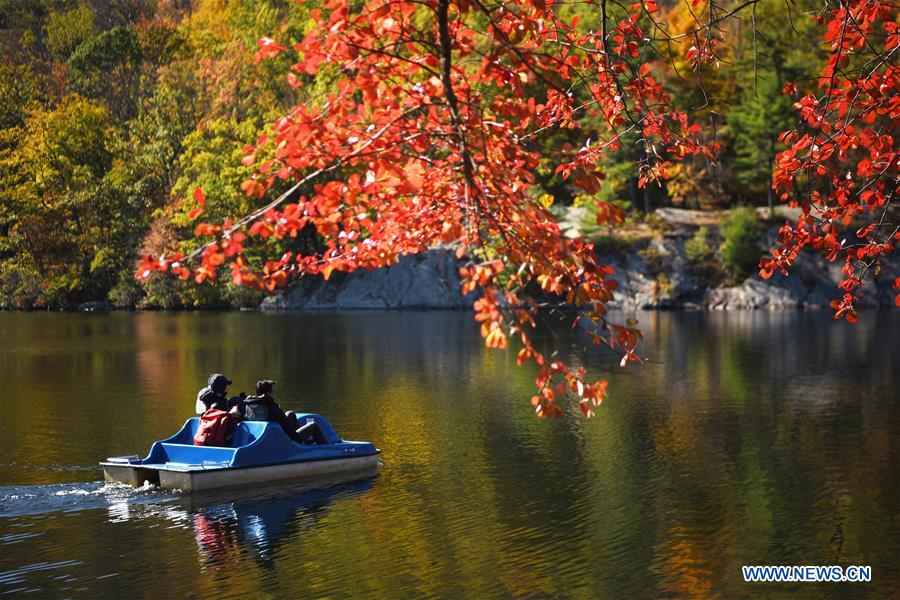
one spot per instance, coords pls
(214, 426)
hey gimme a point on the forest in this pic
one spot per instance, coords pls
(114, 112)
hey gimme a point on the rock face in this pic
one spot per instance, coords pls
(429, 280)
(652, 274)
(813, 283)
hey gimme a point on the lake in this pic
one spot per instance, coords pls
(746, 438)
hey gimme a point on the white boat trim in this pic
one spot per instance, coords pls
(213, 478)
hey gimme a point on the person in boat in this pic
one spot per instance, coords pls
(214, 395)
(263, 407)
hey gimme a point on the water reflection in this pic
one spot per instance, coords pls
(258, 522)
(746, 438)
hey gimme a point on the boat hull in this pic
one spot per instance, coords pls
(208, 479)
(135, 476)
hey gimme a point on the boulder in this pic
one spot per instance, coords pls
(755, 292)
(429, 280)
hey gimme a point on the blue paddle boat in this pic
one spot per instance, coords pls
(258, 451)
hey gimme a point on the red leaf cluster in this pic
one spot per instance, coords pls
(841, 168)
(424, 139)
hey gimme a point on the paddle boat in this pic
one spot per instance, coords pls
(257, 452)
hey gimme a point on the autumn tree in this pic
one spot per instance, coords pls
(67, 30)
(429, 136)
(841, 165)
(52, 180)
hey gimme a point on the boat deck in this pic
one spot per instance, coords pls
(258, 451)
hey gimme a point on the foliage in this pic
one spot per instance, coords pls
(165, 94)
(60, 211)
(16, 94)
(383, 169)
(67, 30)
(740, 248)
(107, 67)
(754, 126)
(590, 222)
(695, 184)
(841, 166)
(702, 256)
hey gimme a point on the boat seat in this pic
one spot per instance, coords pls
(193, 455)
(245, 433)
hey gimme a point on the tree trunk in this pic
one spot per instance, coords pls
(633, 193)
(771, 192)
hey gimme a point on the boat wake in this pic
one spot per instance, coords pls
(25, 500)
(124, 502)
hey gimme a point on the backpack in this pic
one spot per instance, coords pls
(215, 425)
(256, 411)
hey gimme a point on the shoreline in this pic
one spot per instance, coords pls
(672, 260)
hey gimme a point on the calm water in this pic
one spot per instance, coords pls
(747, 438)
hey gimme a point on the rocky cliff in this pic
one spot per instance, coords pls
(652, 273)
(428, 281)
(812, 284)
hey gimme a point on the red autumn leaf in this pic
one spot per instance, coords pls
(268, 48)
(400, 155)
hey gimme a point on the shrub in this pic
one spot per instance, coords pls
(740, 250)
(703, 260)
(654, 258)
(699, 248)
(613, 246)
(665, 288)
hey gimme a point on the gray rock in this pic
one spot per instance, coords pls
(755, 292)
(431, 280)
(428, 280)
(640, 287)
(812, 283)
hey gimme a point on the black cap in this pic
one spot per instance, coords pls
(265, 386)
(218, 382)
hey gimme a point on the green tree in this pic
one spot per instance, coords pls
(67, 30)
(755, 124)
(778, 51)
(61, 219)
(108, 67)
(741, 250)
(17, 90)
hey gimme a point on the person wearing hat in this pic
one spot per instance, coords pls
(263, 407)
(213, 395)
